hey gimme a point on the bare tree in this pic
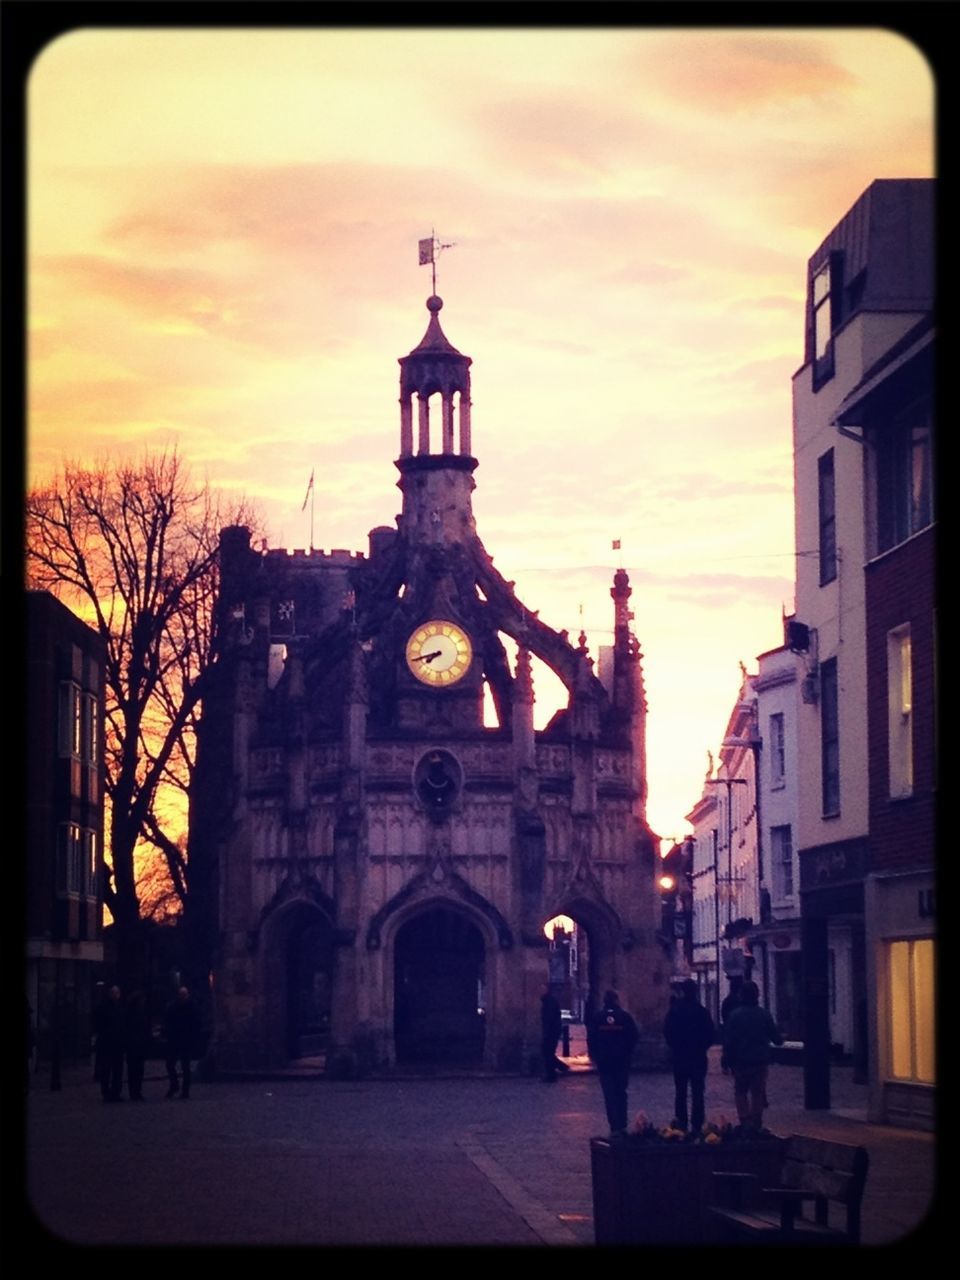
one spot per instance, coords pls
(134, 548)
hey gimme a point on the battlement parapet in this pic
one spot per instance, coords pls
(338, 555)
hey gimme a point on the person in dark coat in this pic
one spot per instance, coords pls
(551, 1025)
(108, 1026)
(611, 1037)
(181, 1030)
(689, 1033)
(747, 1036)
(727, 1006)
(136, 1033)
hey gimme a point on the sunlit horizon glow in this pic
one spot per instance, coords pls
(223, 232)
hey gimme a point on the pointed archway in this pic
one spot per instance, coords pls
(297, 980)
(439, 960)
(309, 975)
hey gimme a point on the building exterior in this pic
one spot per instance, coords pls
(726, 857)
(676, 908)
(862, 444)
(385, 860)
(774, 939)
(891, 414)
(64, 826)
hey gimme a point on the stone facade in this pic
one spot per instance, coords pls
(383, 861)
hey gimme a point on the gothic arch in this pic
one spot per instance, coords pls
(297, 956)
(606, 940)
(439, 969)
(449, 889)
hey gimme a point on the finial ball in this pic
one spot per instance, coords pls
(434, 303)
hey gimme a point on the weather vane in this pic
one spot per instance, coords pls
(430, 250)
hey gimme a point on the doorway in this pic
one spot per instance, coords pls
(439, 1011)
(309, 981)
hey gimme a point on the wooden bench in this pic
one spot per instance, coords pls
(814, 1173)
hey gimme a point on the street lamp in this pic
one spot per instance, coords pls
(729, 783)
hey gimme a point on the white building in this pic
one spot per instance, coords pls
(868, 285)
(725, 871)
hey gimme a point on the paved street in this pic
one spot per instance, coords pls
(307, 1161)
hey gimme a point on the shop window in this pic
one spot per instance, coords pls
(910, 1010)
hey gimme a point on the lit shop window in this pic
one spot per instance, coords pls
(910, 1010)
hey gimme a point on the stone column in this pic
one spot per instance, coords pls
(447, 403)
(424, 411)
(406, 427)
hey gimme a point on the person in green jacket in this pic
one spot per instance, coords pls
(748, 1034)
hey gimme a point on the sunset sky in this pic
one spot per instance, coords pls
(223, 231)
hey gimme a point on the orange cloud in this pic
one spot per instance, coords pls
(738, 73)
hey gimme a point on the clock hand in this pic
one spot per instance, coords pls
(429, 657)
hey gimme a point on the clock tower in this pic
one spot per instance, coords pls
(386, 832)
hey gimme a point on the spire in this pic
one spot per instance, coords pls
(435, 367)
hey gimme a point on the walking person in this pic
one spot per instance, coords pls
(748, 1035)
(551, 1026)
(136, 1032)
(611, 1037)
(108, 1026)
(689, 1033)
(181, 1030)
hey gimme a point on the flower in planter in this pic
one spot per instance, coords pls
(643, 1126)
(712, 1132)
(673, 1133)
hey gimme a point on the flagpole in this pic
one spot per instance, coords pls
(313, 494)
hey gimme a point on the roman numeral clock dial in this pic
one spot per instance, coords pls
(439, 653)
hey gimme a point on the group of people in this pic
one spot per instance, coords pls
(123, 1037)
(748, 1032)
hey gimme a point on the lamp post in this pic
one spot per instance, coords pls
(729, 783)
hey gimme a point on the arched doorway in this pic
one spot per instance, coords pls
(438, 989)
(309, 974)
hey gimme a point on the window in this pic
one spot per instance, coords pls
(70, 870)
(904, 476)
(827, 506)
(70, 731)
(910, 1010)
(90, 742)
(90, 862)
(778, 770)
(825, 315)
(822, 309)
(829, 738)
(899, 712)
(781, 849)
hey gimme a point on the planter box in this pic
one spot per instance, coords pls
(651, 1193)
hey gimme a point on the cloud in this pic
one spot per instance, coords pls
(733, 72)
(558, 136)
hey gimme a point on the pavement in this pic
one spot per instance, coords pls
(446, 1160)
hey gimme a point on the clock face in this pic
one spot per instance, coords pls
(439, 653)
